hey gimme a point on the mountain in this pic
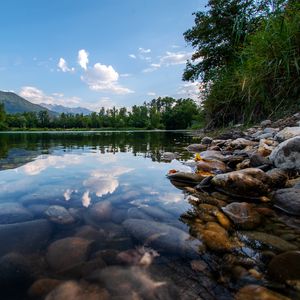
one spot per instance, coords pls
(16, 104)
(67, 110)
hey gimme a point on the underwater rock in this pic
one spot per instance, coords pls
(60, 215)
(288, 200)
(285, 266)
(261, 240)
(249, 182)
(12, 212)
(41, 287)
(100, 212)
(161, 237)
(25, 237)
(243, 215)
(68, 252)
(287, 154)
(251, 292)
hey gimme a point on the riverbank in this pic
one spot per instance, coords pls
(245, 197)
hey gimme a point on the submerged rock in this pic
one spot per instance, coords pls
(248, 182)
(287, 154)
(161, 237)
(42, 287)
(288, 200)
(25, 237)
(243, 215)
(58, 214)
(12, 212)
(285, 266)
(66, 253)
(100, 212)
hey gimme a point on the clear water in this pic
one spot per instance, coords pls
(125, 173)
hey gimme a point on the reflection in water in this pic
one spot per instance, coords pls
(86, 199)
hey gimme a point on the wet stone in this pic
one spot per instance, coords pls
(288, 200)
(60, 215)
(41, 287)
(13, 213)
(196, 147)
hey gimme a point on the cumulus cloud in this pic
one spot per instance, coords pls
(104, 78)
(86, 199)
(63, 66)
(132, 56)
(143, 50)
(37, 96)
(83, 58)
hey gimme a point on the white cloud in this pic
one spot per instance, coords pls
(86, 199)
(190, 89)
(83, 58)
(175, 58)
(63, 66)
(132, 56)
(104, 78)
(37, 96)
(143, 50)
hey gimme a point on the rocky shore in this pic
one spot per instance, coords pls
(245, 195)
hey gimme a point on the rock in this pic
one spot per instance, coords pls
(288, 200)
(270, 130)
(38, 210)
(285, 266)
(216, 238)
(260, 240)
(68, 252)
(90, 233)
(212, 166)
(188, 178)
(257, 160)
(265, 123)
(243, 215)
(251, 292)
(42, 287)
(265, 147)
(287, 154)
(168, 156)
(156, 213)
(58, 214)
(161, 236)
(212, 154)
(71, 290)
(248, 182)
(136, 213)
(133, 283)
(15, 271)
(25, 237)
(206, 140)
(287, 133)
(196, 147)
(241, 143)
(100, 212)
(278, 178)
(243, 165)
(12, 212)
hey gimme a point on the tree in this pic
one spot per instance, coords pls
(2, 116)
(219, 34)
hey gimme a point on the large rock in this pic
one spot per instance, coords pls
(66, 253)
(187, 178)
(169, 156)
(196, 147)
(285, 266)
(288, 200)
(243, 215)
(25, 237)
(100, 212)
(161, 237)
(241, 143)
(60, 215)
(42, 287)
(13, 213)
(248, 182)
(287, 133)
(287, 154)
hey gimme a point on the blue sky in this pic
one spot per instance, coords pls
(95, 53)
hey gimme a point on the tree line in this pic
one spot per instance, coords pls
(160, 113)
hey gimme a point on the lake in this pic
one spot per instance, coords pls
(97, 207)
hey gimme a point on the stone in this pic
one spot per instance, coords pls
(285, 266)
(278, 177)
(68, 252)
(288, 200)
(241, 143)
(71, 290)
(169, 156)
(251, 292)
(161, 237)
(156, 213)
(42, 287)
(100, 212)
(25, 237)
(287, 133)
(250, 182)
(38, 210)
(287, 154)
(243, 215)
(60, 215)
(12, 212)
(256, 160)
(265, 123)
(196, 147)
(211, 165)
(187, 178)
(263, 240)
(206, 140)
(212, 154)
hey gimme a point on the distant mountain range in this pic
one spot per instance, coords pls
(67, 110)
(13, 103)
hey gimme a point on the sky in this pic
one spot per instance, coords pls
(96, 53)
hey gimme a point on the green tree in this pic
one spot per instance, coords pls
(2, 116)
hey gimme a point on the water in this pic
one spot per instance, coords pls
(114, 197)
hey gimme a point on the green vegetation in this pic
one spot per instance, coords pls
(248, 57)
(160, 113)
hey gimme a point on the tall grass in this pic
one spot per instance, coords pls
(264, 82)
